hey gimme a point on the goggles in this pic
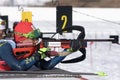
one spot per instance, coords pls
(35, 34)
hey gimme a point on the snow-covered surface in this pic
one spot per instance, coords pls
(88, 17)
(23, 2)
(102, 56)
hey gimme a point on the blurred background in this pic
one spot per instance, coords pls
(53, 3)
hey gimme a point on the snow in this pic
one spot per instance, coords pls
(24, 2)
(101, 56)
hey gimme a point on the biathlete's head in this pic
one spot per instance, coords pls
(24, 31)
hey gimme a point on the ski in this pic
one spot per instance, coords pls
(38, 74)
(42, 74)
(54, 73)
(45, 72)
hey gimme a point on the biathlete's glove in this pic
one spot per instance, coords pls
(43, 52)
(75, 45)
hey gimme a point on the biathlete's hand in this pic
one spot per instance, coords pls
(43, 52)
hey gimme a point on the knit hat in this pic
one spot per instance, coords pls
(2, 24)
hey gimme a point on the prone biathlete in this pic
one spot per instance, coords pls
(37, 59)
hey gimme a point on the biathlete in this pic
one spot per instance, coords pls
(27, 33)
